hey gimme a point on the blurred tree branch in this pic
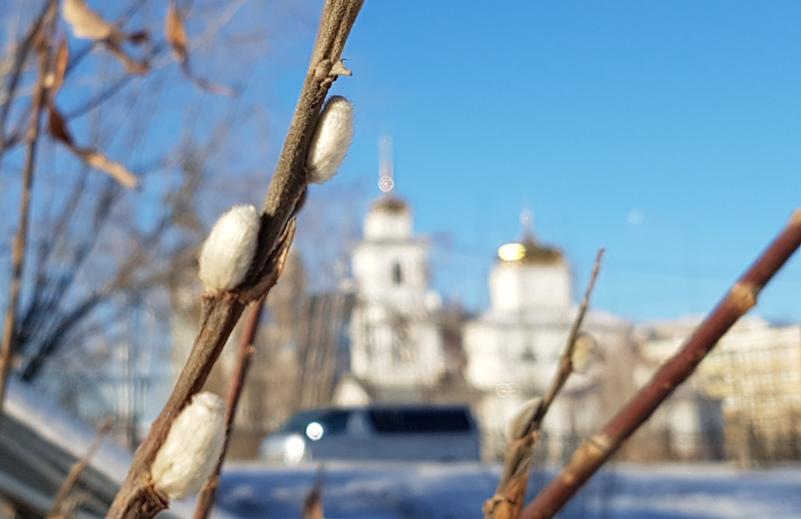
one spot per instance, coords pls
(511, 492)
(597, 449)
(21, 238)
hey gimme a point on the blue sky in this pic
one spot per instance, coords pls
(666, 131)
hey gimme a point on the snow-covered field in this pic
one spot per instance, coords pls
(394, 491)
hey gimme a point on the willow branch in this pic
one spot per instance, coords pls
(137, 497)
(21, 237)
(511, 492)
(289, 180)
(246, 349)
(596, 450)
(57, 509)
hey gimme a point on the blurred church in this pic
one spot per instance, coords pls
(398, 345)
(399, 340)
(513, 348)
(384, 335)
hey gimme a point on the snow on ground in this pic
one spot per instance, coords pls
(395, 491)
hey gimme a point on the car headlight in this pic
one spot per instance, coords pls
(294, 449)
(314, 431)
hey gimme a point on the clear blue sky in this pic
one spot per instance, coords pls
(668, 132)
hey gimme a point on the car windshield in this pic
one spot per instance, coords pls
(420, 420)
(332, 421)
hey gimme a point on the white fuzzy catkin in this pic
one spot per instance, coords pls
(192, 448)
(331, 139)
(227, 253)
(518, 424)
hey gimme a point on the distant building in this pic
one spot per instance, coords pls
(513, 348)
(754, 376)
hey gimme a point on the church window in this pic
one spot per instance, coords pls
(397, 274)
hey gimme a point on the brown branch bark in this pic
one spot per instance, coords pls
(21, 55)
(596, 450)
(57, 509)
(313, 504)
(21, 238)
(288, 184)
(137, 497)
(510, 495)
(246, 349)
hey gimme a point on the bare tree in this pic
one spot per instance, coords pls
(82, 238)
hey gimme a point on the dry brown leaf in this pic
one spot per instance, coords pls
(58, 126)
(138, 37)
(117, 171)
(59, 67)
(175, 32)
(131, 65)
(86, 23)
(60, 131)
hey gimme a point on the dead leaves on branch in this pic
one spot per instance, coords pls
(92, 157)
(175, 32)
(87, 24)
(60, 131)
(56, 79)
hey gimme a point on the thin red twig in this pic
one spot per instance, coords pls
(244, 353)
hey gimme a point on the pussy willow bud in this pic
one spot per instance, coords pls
(518, 424)
(331, 139)
(227, 253)
(583, 352)
(192, 448)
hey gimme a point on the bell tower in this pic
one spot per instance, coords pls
(394, 339)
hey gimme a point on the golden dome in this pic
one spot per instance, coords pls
(528, 251)
(390, 204)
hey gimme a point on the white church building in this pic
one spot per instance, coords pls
(513, 348)
(395, 343)
(396, 346)
(507, 354)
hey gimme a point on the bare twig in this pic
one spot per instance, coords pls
(246, 349)
(594, 452)
(313, 504)
(57, 509)
(21, 55)
(137, 496)
(511, 492)
(175, 31)
(566, 361)
(21, 237)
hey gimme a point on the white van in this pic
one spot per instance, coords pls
(379, 432)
